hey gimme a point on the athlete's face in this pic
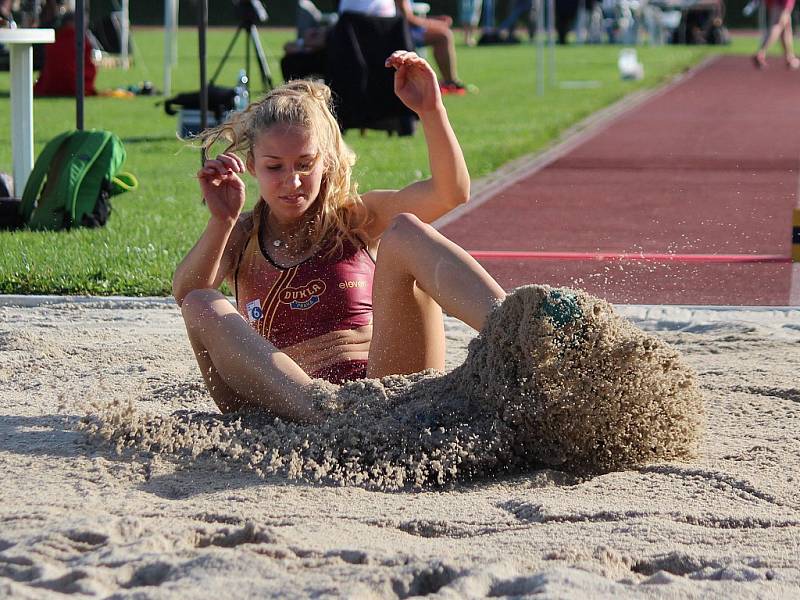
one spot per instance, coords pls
(286, 163)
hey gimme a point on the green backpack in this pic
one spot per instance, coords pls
(72, 180)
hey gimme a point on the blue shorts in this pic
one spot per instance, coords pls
(417, 35)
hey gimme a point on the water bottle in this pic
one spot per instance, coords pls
(751, 7)
(242, 97)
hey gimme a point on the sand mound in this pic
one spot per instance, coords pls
(580, 387)
(555, 379)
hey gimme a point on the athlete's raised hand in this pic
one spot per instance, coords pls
(415, 81)
(223, 190)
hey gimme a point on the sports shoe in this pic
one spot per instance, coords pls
(456, 88)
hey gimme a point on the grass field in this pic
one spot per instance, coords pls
(151, 229)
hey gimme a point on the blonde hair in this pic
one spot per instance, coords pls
(337, 213)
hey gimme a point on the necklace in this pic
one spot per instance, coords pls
(289, 244)
(278, 242)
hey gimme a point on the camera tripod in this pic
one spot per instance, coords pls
(251, 31)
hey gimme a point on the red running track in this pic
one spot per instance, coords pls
(709, 167)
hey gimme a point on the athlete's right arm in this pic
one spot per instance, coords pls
(211, 258)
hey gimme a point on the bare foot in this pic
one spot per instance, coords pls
(759, 61)
(793, 63)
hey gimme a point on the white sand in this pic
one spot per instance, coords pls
(75, 518)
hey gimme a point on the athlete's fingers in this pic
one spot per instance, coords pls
(418, 62)
(208, 173)
(409, 60)
(214, 165)
(394, 56)
(398, 58)
(240, 160)
(231, 161)
(216, 175)
(400, 76)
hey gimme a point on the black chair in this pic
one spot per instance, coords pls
(304, 65)
(363, 87)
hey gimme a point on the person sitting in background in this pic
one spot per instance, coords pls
(6, 22)
(434, 31)
(312, 23)
(6, 17)
(59, 72)
(305, 56)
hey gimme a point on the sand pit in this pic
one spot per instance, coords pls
(494, 504)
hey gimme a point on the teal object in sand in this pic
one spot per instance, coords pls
(562, 307)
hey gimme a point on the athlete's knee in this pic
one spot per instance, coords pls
(197, 303)
(450, 37)
(439, 36)
(405, 223)
(403, 229)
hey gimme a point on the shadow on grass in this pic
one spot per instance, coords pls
(146, 139)
(137, 139)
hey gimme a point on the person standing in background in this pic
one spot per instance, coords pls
(780, 18)
(469, 15)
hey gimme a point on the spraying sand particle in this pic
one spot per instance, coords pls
(555, 379)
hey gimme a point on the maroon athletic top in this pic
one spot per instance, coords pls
(320, 295)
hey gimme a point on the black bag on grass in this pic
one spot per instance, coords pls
(9, 205)
(220, 101)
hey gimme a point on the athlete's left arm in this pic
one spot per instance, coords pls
(448, 186)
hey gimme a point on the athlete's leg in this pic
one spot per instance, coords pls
(241, 369)
(418, 271)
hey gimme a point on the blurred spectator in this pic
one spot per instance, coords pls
(519, 9)
(6, 17)
(566, 11)
(6, 22)
(780, 19)
(469, 15)
(309, 18)
(431, 31)
(59, 72)
(53, 12)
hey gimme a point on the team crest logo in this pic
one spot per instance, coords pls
(303, 298)
(254, 312)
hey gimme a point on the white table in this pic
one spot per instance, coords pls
(20, 44)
